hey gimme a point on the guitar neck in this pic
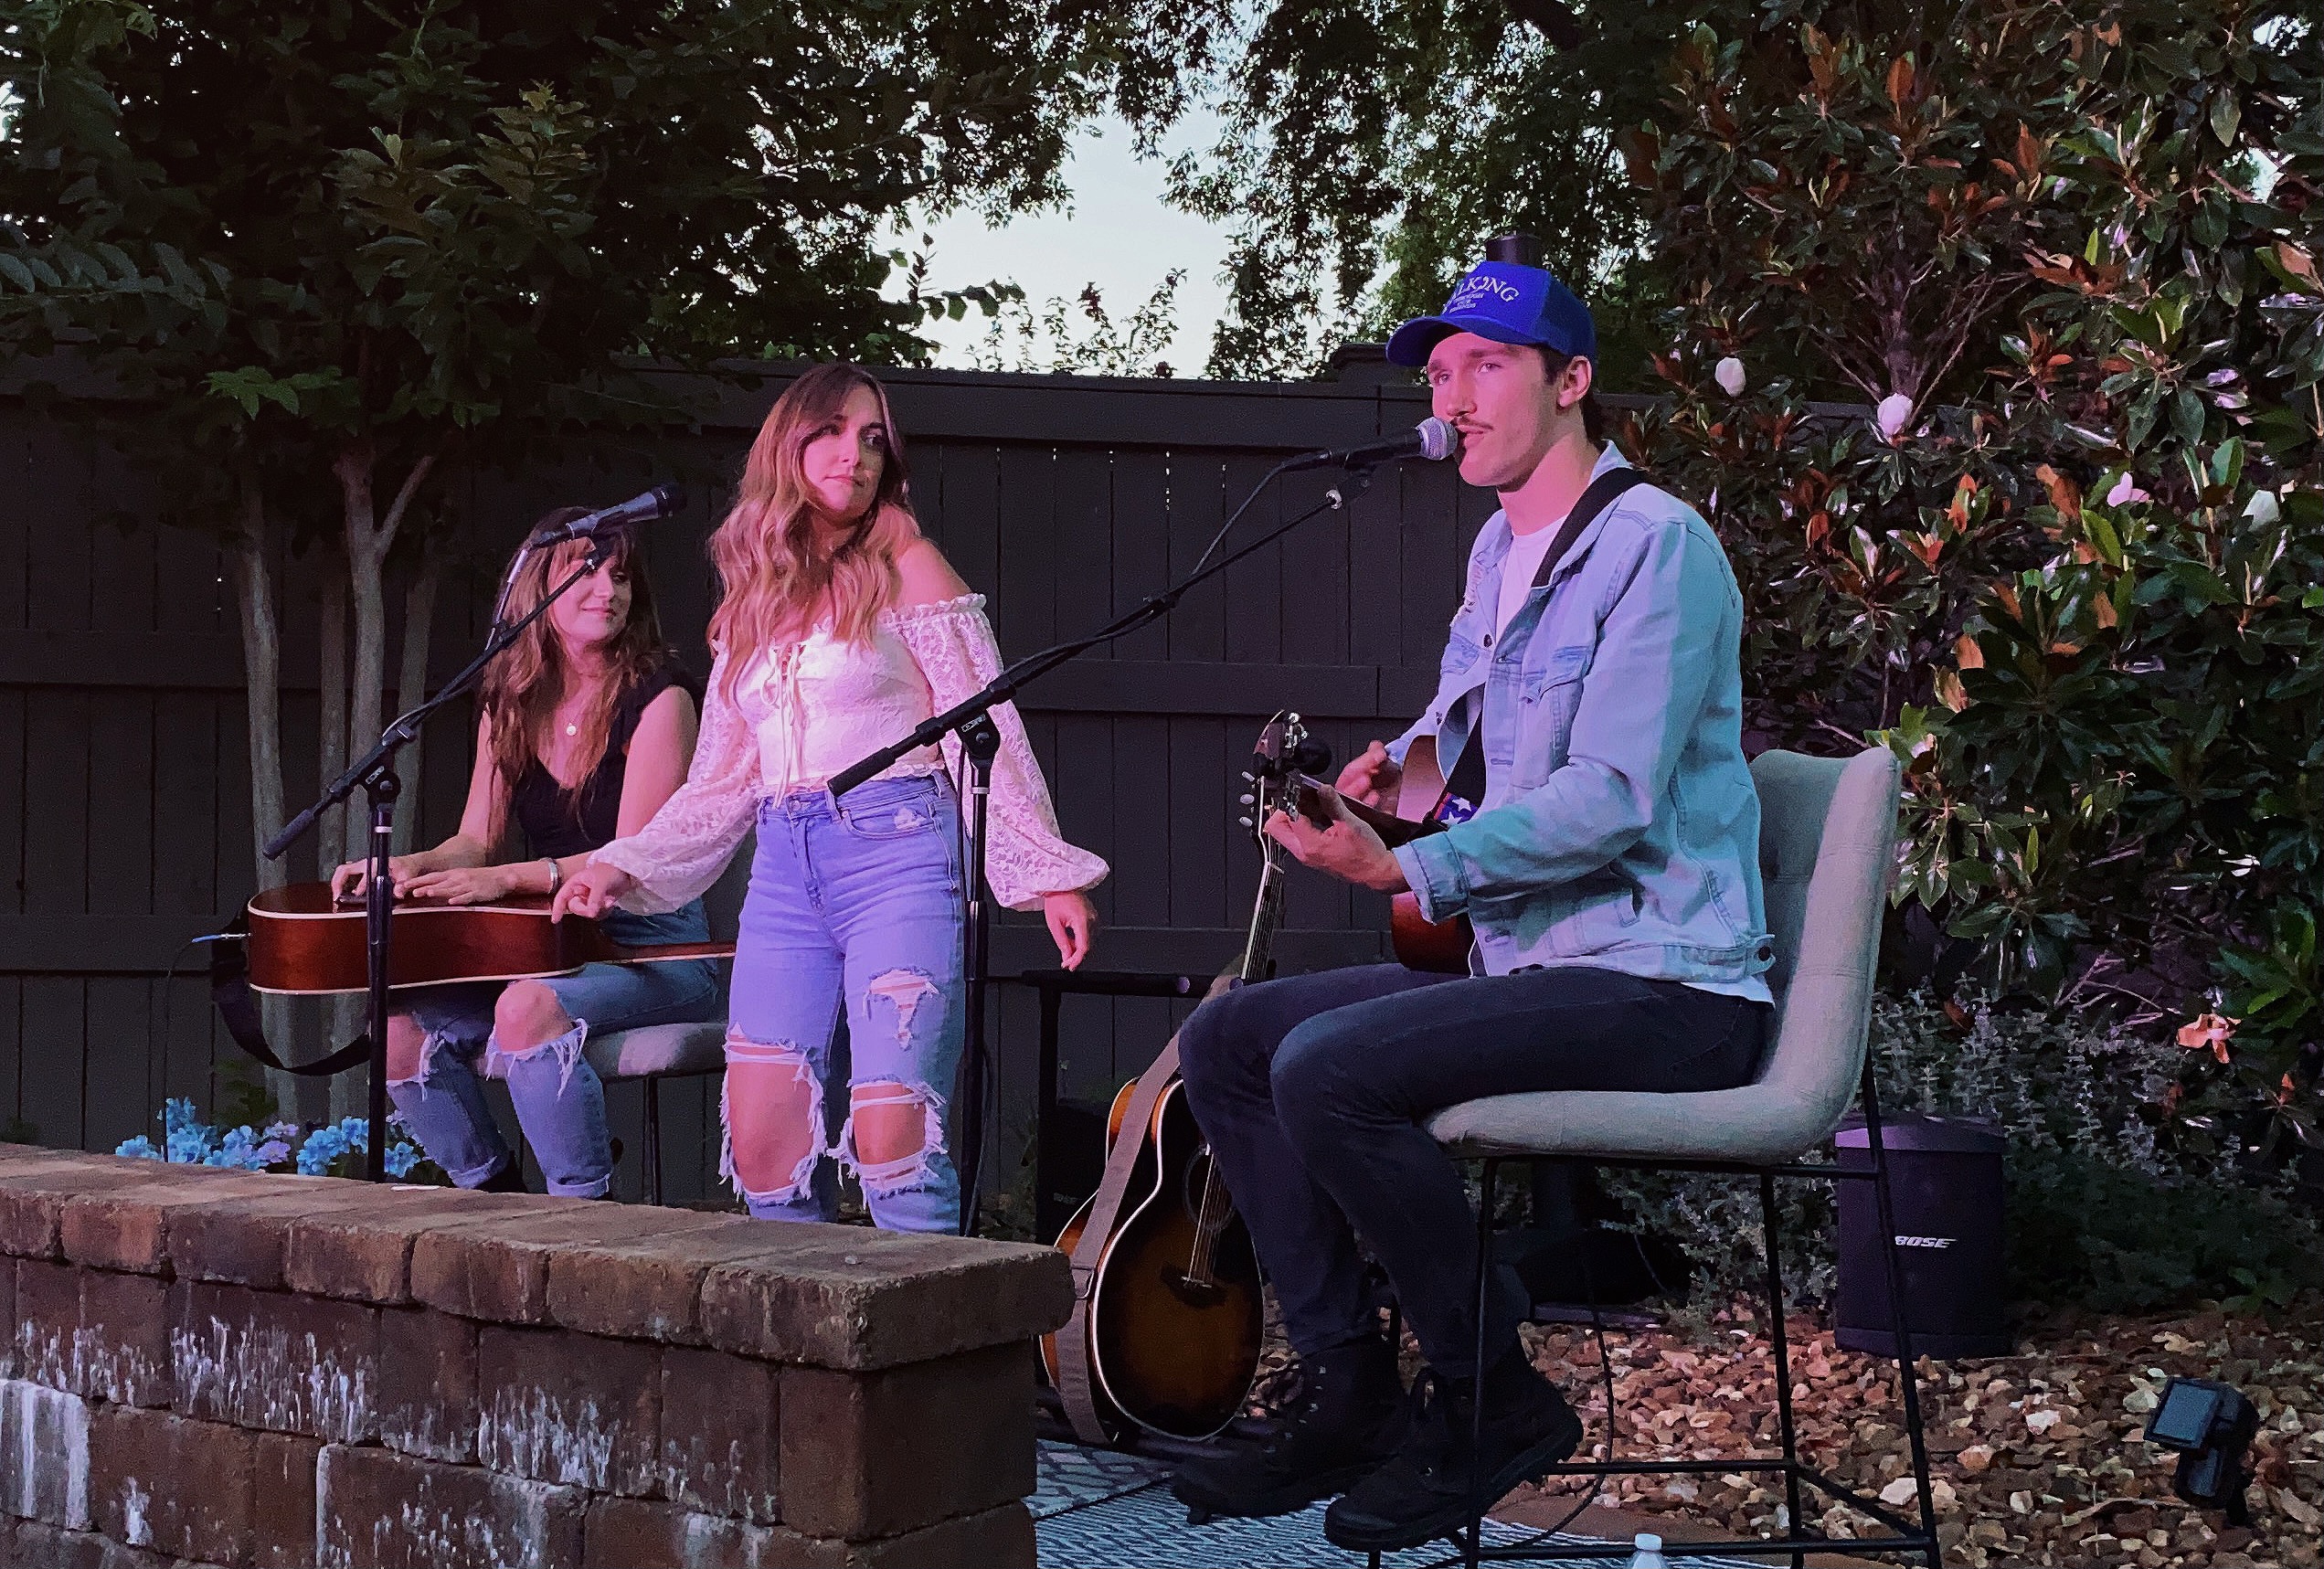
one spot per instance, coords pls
(1267, 917)
(1393, 831)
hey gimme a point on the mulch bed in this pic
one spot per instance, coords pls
(2037, 1458)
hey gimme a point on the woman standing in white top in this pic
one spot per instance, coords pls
(841, 629)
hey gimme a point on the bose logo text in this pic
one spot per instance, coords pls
(1924, 1242)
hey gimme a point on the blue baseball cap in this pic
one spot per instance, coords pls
(1508, 303)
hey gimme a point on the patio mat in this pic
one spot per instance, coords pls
(1098, 1510)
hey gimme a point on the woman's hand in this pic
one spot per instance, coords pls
(1072, 921)
(463, 884)
(348, 882)
(590, 891)
(1372, 778)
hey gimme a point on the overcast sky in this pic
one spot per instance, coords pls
(1117, 234)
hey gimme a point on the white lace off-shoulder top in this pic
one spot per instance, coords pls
(803, 711)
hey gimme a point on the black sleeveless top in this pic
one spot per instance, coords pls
(556, 824)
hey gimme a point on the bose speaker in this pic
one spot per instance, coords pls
(1945, 1184)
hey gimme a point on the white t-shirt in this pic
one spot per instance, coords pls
(1517, 573)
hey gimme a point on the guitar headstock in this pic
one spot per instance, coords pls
(1284, 752)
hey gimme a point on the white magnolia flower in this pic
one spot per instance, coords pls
(1729, 374)
(2125, 491)
(2263, 508)
(1892, 413)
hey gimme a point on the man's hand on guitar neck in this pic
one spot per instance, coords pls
(1347, 849)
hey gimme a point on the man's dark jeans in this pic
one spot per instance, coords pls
(1312, 1091)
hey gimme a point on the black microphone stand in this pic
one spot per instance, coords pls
(970, 719)
(375, 774)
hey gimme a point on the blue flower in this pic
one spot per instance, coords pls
(401, 1159)
(138, 1149)
(324, 1145)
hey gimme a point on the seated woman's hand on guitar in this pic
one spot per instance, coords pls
(468, 884)
(1347, 849)
(1372, 778)
(348, 882)
(590, 891)
(1072, 921)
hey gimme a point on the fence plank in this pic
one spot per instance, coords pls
(16, 821)
(56, 807)
(53, 1054)
(117, 1084)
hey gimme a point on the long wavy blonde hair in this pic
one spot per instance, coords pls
(780, 563)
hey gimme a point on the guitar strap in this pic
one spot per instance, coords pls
(1467, 781)
(231, 994)
(1073, 1340)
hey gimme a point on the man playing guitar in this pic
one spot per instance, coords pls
(1611, 872)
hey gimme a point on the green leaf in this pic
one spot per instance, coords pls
(2227, 114)
(17, 273)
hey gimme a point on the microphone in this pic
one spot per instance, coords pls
(1431, 438)
(659, 502)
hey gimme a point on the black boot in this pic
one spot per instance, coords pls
(1343, 1423)
(1424, 1492)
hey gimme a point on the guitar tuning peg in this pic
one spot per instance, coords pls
(1249, 778)
(1243, 800)
(1243, 820)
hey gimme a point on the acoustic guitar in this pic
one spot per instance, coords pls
(1439, 947)
(1169, 1328)
(303, 943)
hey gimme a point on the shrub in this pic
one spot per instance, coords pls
(330, 1150)
(2073, 257)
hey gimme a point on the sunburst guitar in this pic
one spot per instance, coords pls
(1175, 1310)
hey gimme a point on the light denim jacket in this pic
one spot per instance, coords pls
(1620, 826)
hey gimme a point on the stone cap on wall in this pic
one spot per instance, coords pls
(845, 1298)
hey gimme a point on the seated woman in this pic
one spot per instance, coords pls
(840, 629)
(588, 727)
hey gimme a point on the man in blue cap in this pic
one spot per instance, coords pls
(1590, 708)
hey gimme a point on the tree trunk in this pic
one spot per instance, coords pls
(411, 684)
(369, 537)
(331, 671)
(262, 721)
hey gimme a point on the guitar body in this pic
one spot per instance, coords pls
(1440, 948)
(1168, 1354)
(303, 943)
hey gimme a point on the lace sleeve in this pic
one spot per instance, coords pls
(678, 855)
(952, 643)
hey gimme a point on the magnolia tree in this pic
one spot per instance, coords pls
(2068, 567)
(333, 253)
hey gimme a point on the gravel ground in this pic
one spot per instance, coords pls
(2037, 1458)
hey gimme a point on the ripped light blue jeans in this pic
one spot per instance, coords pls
(559, 1101)
(854, 911)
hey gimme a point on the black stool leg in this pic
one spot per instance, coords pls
(1477, 1504)
(652, 1139)
(1907, 1373)
(1783, 1360)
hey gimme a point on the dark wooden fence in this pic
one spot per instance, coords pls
(125, 817)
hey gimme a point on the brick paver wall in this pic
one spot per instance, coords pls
(250, 1370)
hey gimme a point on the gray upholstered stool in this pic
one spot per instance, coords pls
(652, 1053)
(1827, 845)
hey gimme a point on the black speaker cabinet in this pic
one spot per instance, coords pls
(1945, 1182)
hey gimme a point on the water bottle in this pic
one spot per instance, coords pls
(1649, 1552)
